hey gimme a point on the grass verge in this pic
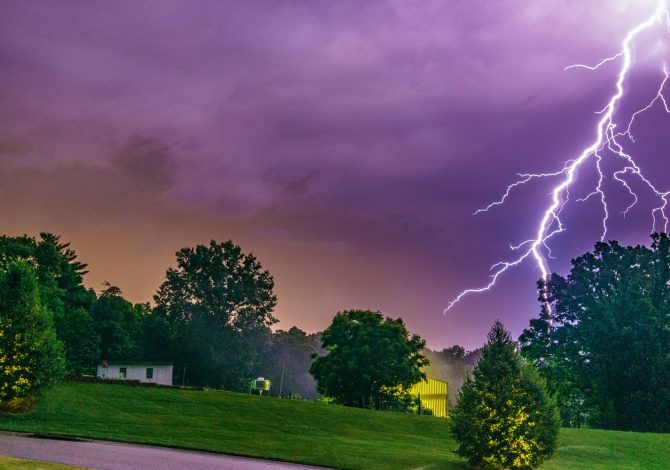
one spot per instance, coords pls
(10, 463)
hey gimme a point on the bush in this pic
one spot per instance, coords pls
(30, 355)
(504, 417)
(127, 382)
(18, 405)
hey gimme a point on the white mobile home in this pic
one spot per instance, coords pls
(153, 372)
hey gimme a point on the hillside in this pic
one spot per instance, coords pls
(307, 432)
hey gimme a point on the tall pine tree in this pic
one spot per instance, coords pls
(504, 417)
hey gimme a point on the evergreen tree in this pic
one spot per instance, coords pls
(68, 300)
(30, 354)
(504, 417)
(60, 279)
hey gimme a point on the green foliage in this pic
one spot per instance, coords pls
(30, 354)
(603, 340)
(504, 417)
(216, 309)
(118, 325)
(371, 360)
(77, 331)
(60, 279)
(23, 404)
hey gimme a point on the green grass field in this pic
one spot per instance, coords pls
(312, 433)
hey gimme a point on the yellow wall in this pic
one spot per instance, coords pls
(433, 394)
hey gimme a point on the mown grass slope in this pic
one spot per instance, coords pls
(307, 432)
(312, 433)
(598, 450)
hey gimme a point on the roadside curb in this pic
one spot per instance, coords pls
(112, 442)
(42, 435)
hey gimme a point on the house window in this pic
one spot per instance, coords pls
(150, 372)
(122, 372)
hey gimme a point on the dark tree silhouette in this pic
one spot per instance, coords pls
(603, 340)
(216, 307)
(371, 360)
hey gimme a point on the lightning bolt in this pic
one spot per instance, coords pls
(608, 143)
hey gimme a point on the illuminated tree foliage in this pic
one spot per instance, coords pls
(372, 361)
(504, 417)
(60, 280)
(604, 343)
(30, 354)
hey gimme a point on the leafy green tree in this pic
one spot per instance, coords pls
(504, 417)
(60, 279)
(156, 336)
(118, 325)
(30, 354)
(77, 331)
(602, 340)
(455, 353)
(217, 308)
(372, 361)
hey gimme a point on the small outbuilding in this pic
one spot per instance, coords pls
(149, 372)
(432, 394)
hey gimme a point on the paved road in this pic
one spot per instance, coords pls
(117, 456)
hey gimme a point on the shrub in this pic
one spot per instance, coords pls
(30, 354)
(504, 417)
(18, 405)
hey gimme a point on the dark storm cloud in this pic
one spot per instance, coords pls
(147, 161)
(347, 143)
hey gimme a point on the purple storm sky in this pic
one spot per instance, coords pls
(345, 143)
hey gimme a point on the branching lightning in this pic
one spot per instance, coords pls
(608, 143)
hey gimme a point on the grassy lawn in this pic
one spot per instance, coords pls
(9, 463)
(599, 450)
(313, 433)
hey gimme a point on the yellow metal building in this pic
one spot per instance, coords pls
(433, 396)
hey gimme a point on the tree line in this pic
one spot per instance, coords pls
(600, 342)
(211, 318)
